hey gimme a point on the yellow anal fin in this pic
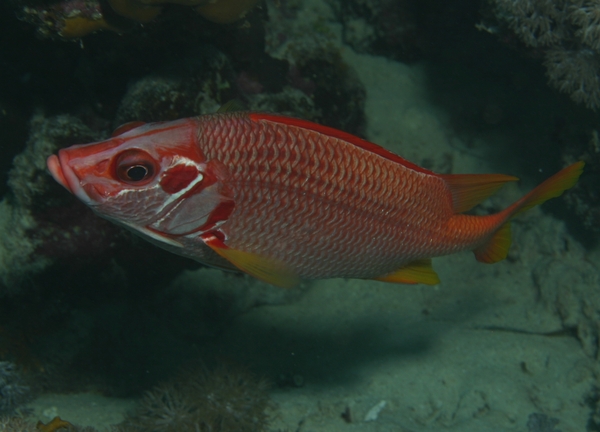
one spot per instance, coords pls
(496, 248)
(468, 190)
(266, 269)
(419, 271)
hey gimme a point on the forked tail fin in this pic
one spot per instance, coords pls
(497, 246)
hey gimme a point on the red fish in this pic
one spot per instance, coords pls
(285, 199)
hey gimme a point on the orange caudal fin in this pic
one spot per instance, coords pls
(496, 249)
(551, 188)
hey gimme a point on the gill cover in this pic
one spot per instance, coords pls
(199, 201)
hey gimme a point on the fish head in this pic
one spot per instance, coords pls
(152, 178)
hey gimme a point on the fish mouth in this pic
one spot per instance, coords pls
(55, 169)
(61, 172)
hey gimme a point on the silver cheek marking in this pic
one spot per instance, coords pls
(176, 196)
(128, 191)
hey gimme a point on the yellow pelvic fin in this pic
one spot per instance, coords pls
(468, 190)
(266, 269)
(419, 271)
(496, 249)
(551, 188)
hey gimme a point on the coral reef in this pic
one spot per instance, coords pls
(302, 37)
(575, 72)
(23, 235)
(321, 87)
(77, 18)
(336, 90)
(28, 178)
(381, 27)
(181, 89)
(225, 399)
(13, 393)
(565, 33)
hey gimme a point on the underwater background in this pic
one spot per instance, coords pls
(108, 332)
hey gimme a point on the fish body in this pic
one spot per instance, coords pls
(285, 199)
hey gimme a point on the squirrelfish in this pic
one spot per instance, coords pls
(284, 199)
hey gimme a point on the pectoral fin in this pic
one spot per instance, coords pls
(419, 271)
(266, 269)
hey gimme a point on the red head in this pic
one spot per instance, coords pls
(139, 177)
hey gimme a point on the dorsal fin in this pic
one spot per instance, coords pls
(468, 190)
(345, 136)
(419, 271)
(126, 127)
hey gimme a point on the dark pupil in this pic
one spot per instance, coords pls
(137, 172)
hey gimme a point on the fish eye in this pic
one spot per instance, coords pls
(137, 173)
(135, 167)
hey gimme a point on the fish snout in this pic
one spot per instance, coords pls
(53, 164)
(61, 172)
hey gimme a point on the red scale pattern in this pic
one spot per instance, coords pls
(323, 205)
